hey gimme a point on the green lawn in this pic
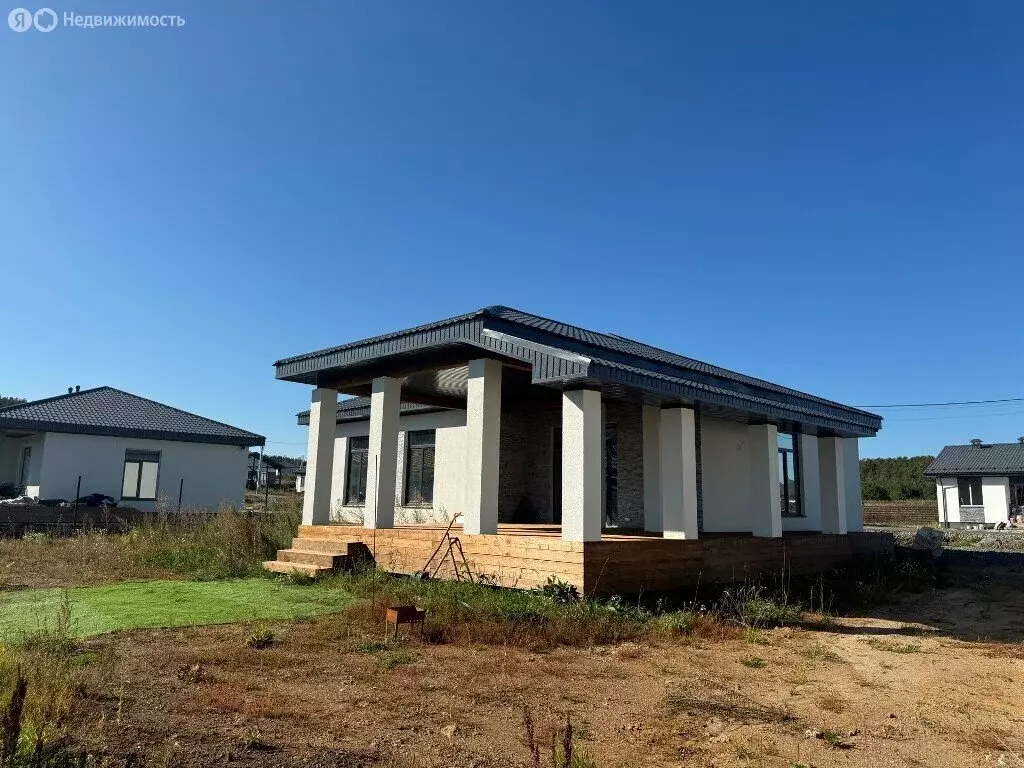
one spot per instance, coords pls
(130, 605)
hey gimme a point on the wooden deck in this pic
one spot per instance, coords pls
(524, 556)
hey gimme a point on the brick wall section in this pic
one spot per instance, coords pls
(525, 464)
(524, 493)
(628, 418)
(915, 512)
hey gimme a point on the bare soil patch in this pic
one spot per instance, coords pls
(935, 680)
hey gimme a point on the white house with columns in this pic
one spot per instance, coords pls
(505, 418)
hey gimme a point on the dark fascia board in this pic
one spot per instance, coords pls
(672, 389)
(244, 441)
(975, 473)
(983, 472)
(560, 361)
(363, 413)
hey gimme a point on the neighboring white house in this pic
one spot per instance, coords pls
(114, 443)
(980, 483)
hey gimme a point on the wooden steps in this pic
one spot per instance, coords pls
(312, 557)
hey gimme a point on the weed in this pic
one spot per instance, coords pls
(751, 606)
(894, 647)
(261, 637)
(10, 719)
(821, 652)
(746, 753)
(40, 676)
(392, 659)
(564, 751)
(375, 646)
(835, 739)
(193, 674)
(755, 636)
(253, 739)
(230, 543)
(559, 592)
(754, 662)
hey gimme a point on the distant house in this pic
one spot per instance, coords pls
(134, 450)
(980, 483)
(273, 470)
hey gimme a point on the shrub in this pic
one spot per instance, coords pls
(261, 637)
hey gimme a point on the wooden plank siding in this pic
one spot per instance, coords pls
(525, 556)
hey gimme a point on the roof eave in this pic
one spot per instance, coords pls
(243, 440)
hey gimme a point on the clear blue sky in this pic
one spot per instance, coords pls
(826, 195)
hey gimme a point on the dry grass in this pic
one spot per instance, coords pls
(230, 543)
(832, 703)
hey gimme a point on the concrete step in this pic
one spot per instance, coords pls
(333, 560)
(277, 566)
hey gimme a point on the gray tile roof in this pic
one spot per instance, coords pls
(562, 354)
(109, 411)
(357, 408)
(989, 459)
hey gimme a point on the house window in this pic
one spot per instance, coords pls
(419, 468)
(141, 469)
(355, 472)
(970, 491)
(789, 476)
(611, 473)
(26, 462)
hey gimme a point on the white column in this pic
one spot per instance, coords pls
(581, 465)
(651, 416)
(851, 468)
(833, 485)
(323, 418)
(809, 478)
(382, 471)
(678, 438)
(483, 440)
(766, 517)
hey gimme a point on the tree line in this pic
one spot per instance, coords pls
(896, 479)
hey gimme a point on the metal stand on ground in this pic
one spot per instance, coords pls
(453, 545)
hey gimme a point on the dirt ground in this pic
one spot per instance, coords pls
(934, 680)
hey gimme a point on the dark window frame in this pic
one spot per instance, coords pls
(134, 457)
(357, 448)
(611, 474)
(790, 457)
(969, 483)
(26, 465)
(420, 453)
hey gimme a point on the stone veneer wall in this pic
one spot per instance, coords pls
(526, 464)
(628, 420)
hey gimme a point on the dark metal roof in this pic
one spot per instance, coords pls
(987, 459)
(358, 408)
(109, 411)
(565, 355)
